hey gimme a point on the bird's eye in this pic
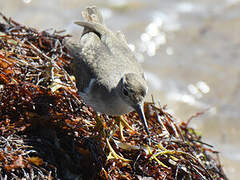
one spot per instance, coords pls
(125, 92)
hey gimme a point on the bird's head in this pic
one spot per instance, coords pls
(133, 89)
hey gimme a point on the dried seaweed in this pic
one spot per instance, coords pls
(47, 132)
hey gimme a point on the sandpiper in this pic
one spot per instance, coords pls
(108, 76)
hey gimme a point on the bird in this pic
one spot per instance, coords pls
(108, 76)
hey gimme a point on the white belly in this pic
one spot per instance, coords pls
(114, 106)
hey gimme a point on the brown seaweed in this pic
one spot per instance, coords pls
(47, 132)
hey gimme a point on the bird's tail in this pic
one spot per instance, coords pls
(92, 14)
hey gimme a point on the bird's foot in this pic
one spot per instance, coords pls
(113, 154)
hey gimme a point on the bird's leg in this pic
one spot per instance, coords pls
(123, 123)
(112, 153)
(121, 126)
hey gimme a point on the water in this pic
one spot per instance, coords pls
(189, 50)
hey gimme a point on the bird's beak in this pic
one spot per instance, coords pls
(140, 111)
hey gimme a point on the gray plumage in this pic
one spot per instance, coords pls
(108, 76)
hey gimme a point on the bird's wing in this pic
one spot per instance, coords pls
(115, 42)
(101, 54)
